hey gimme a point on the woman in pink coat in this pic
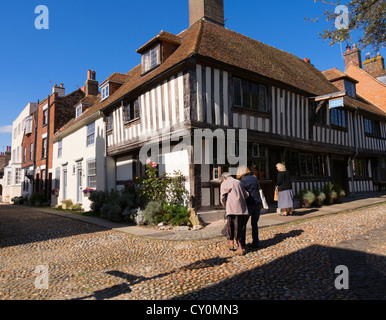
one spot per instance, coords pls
(233, 198)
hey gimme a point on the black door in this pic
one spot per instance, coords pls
(339, 174)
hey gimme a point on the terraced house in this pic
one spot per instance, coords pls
(50, 115)
(211, 77)
(79, 147)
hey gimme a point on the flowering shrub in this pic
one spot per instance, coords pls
(167, 189)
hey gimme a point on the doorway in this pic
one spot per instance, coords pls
(65, 184)
(339, 174)
(79, 179)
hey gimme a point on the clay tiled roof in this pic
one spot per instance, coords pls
(116, 77)
(243, 52)
(162, 36)
(205, 39)
(335, 74)
(361, 104)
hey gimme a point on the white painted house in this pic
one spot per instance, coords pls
(79, 152)
(15, 182)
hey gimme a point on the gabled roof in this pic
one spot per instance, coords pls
(335, 74)
(115, 77)
(93, 102)
(362, 104)
(162, 36)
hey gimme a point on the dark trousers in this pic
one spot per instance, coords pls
(254, 213)
(233, 230)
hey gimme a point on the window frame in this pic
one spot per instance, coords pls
(350, 88)
(340, 115)
(45, 117)
(44, 148)
(109, 119)
(78, 111)
(311, 170)
(18, 176)
(372, 127)
(252, 91)
(151, 60)
(60, 149)
(132, 111)
(90, 134)
(362, 170)
(105, 91)
(92, 185)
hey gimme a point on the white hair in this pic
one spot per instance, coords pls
(225, 175)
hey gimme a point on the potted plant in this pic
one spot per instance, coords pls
(56, 192)
(307, 197)
(320, 197)
(87, 192)
(340, 193)
(330, 193)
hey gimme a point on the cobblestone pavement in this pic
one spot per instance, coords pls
(295, 261)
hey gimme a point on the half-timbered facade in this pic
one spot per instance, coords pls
(209, 77)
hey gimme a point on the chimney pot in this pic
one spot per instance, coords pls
(353, 56)
(91, 86)
(61, 85)
(307, 60)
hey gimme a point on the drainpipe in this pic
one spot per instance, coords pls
(356, 152)
(105, 135)
(34, 152)
(48, 143)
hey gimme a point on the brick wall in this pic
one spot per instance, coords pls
(210, 9)
(368, 87)
(353, 56)
(374, 65)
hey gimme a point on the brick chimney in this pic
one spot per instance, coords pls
(374, 66)
(209, 10)
(91, 88)
(352, 55)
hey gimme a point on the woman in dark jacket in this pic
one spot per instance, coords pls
(284, 185)
(251, 185)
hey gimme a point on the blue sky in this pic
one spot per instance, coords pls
(104, 36)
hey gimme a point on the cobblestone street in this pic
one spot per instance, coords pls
(295, 261)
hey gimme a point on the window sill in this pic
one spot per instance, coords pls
(263, 114)
(370, 135)
(131, 122)
(144, 73)
(339, 128)
(321, 125)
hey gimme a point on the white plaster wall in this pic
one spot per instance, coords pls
(18, 126)
(74, 149)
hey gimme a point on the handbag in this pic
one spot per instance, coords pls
(262, 197)
(263, 200)
(276, 194)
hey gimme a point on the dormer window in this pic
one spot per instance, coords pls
(151, 59)
(350, 88)
(78, 111)
(105, 91)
